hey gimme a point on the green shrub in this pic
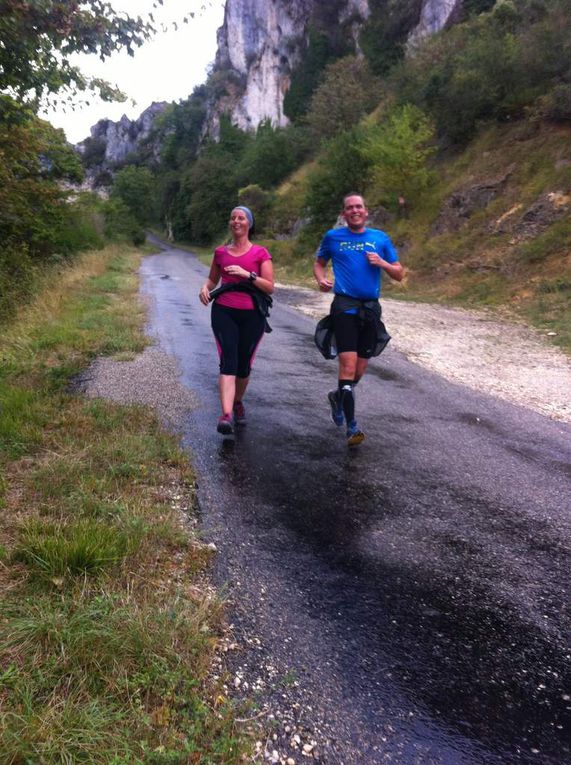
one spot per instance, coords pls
(490, 68)
(383, 38)
(119, 223)
(556, 105)
(93, 151)
(399, 149)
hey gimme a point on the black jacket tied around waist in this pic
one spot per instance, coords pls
(367, 311)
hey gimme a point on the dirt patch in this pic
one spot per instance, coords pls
(477, 348)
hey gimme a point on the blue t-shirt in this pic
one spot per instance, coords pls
(354, 275)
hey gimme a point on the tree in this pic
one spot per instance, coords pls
(399, 150)
(384, 36)
(259, 201)
(272, 155)
(213, 193)
(134, 187)
(347, 92)
(38, 37)
(306, 76)
(34, 157)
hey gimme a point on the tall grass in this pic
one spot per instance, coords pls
(105, 637)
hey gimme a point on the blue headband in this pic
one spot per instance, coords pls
(247, 212)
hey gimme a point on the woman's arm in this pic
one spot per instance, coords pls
(265, 280)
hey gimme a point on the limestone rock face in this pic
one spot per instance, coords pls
(261, 42)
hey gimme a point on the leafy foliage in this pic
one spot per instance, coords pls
(181, 127)
(34, 156)
(134, 187)
(93, 153)
(490, 68)
(37, 39)
(259, 201)
(341, 168)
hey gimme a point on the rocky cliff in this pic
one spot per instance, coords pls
(434, 16)
(111, 143)
(262, 41)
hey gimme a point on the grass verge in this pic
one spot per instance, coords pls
(106, 634)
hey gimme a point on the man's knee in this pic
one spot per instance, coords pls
(361, 368)
(347, 366)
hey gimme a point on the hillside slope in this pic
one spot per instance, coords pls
(494, 229)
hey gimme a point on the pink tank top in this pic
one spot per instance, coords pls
(251, 260)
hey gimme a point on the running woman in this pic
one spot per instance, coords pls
(358, 256)
(237, 323)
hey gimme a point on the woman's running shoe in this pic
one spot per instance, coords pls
(336, 409)
(239, 413)
(355, 436)
(225, 425)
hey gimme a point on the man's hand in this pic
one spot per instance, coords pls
(320, 273)
(325, 285)
(375, 259)
(394, 270)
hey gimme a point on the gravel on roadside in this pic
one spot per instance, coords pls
(477, 348)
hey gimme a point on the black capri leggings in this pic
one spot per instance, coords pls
(238, 333)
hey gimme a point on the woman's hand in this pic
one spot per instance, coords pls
(204, 294)
(237, 271)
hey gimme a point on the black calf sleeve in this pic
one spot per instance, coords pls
(347, 400)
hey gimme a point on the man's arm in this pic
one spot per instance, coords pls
(320, 273)
(394, 270)
(392, 267)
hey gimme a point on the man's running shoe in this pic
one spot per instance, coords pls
(239, 413)
(355, 436)
(336, 409)
(225, 425)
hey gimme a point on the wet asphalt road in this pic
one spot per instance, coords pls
(412, 594)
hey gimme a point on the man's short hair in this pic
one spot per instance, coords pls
(353, 194)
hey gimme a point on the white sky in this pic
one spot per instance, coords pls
(165, 69)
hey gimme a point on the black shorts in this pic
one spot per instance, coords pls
(354, 335)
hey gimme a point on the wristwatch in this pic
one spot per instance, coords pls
(253, 276)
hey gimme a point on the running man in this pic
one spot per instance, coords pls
(358, 256)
